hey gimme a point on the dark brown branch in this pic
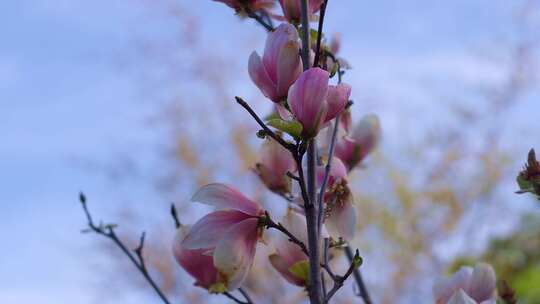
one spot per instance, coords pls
(137, 259)
(267, 130)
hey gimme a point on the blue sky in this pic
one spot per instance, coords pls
(70, 103)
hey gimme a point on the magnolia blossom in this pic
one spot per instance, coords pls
(313, 102)
(254, 5)
(275, 162)
(289, 258)
(352, 149)
(467, 286)
(340, 212)
(197, 263)
(292, 8)
(228, 235)
(280, 64)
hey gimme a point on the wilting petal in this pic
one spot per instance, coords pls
(338, 96)
(445, 287)
(259, 76)
(225, 197)
(234, 254)
(195, 262)
(307, 99)
(207, 232)
(483, 283)
(342, 220)
(460, 297)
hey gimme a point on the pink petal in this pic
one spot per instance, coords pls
(367, 134)
(460, 297)
(225, 197)
(307, 98)
(314, 5)
(445, 287)
(199, 265)
(259, 76)
(207, 232)
(337, 171)
(282, 266)
(284, 113)
(338, 96)
(483, 283)
(234, 254)
(342, 220)
(289, 66)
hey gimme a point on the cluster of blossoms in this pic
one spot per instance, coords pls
(219, 249)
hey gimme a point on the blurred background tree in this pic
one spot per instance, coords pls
(432, 192)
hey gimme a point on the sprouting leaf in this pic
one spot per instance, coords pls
(293, 128)
(301, 270)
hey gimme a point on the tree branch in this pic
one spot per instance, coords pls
(278, 226)
(267, 130)
(258, 18)
(137, 259)
(340, 280)
(358, 278)
(319, 33)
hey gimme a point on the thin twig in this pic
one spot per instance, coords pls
(137, 259)
(358, 278)
(327, 172)
(340, 280)
(235, 299)
(320, 33)
(267, 130)
(258, 18)
(245, 294)
(174, 215)
(278, 226)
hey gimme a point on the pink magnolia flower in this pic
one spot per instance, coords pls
(275, 162)
(280, 64)
(364, 138)
(467, 286)
(340, 212)
(292, 8)
(229, 235)
(195, 262)
(313, 102)
(254, 5)
(288, 255)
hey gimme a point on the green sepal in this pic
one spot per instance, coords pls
(301, 270)
(293, 128)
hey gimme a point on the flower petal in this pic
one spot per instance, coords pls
(234, 254)
(338, 96)
(282, 266)
(460, 297)
(342, 220)
(307, 98)
(445, 287)
(483, 283)
(226, 197)
(259, 76)
(207, 232)
(195, 262)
